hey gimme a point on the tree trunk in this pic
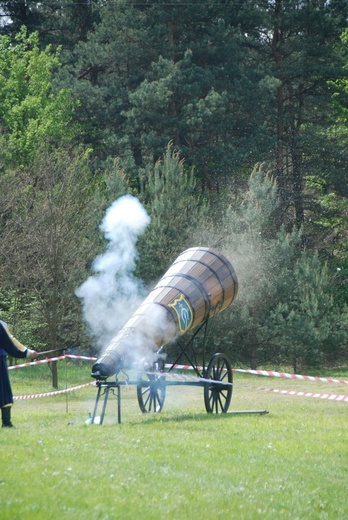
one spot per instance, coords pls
(295, 364)
(297, 186)
(253, 358)
(296, 106)
(171, 40)
(280, 168)
(54, 370)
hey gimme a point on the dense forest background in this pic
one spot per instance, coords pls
(227, 120)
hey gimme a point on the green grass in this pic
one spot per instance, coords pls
(179, 464)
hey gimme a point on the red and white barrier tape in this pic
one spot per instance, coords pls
(32, 363)
(270, 373)
(50, 394)
(330, 397)
(86, 358)
(49, 360)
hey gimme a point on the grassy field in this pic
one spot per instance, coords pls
(179, 464)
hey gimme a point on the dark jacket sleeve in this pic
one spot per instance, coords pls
(7, 344)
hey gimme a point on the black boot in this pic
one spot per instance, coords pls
(6, 417)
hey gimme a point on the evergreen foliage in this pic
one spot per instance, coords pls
(285, 312)
(311, 330)
(263, 258)
(177, 212)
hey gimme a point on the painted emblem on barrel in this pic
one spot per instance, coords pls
(183, 311)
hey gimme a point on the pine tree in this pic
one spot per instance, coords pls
(301, 40)
(284, 312)
(311, 330)
(169, 195)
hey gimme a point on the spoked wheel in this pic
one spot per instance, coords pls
(217, 396)
(151, 387)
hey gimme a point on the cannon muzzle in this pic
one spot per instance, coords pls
(199, 284)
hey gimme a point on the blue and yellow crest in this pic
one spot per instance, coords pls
(183, 311)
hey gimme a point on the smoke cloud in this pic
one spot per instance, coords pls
(110, 296)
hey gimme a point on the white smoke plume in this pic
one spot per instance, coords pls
(112, 293)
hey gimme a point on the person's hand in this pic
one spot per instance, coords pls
(32, 354)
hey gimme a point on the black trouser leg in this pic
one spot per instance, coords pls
(6, 416)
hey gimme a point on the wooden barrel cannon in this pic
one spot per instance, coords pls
(199, 284)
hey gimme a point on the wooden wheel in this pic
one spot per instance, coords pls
(151, 387)
(217, 396)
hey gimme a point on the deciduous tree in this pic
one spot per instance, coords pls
(31, 112)
(47, 242)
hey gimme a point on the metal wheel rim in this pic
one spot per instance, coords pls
(151, 389)
(217, 397)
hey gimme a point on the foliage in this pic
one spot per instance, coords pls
(48, 217)
(312, 330)
(327, 217)
(285, 312)
(58, 24)
(21, 313)
(169, 195)
(340, 87)
(263, 259)
(327, 226)
(31, 113)
(228, 84)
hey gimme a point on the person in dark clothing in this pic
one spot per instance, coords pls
(9, 345)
